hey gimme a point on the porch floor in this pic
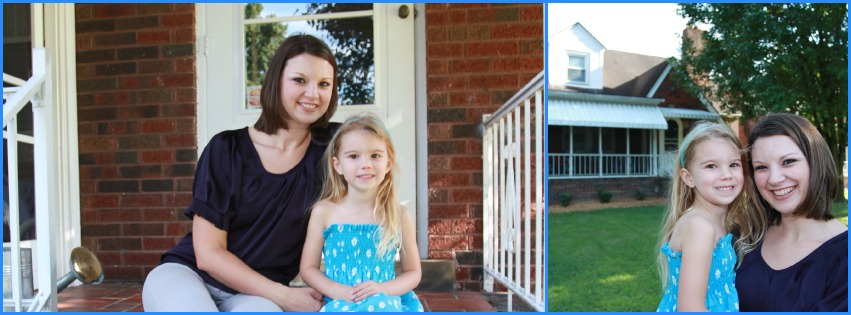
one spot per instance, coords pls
(127, 297)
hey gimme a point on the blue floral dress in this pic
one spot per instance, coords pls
(721, 295)
(351, 258)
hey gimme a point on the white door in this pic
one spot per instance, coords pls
(382, 83)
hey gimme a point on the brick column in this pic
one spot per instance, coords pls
(137, 134)
(479, 55)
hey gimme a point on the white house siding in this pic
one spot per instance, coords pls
(575, 39)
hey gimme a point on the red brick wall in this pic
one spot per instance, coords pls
(676, 97)
(137, 134)
(478, 56)
(623, 188)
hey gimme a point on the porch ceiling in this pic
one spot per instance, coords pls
(604, 114)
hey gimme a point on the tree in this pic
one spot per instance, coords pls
(768, 58)
(261, 41)
(352, 42)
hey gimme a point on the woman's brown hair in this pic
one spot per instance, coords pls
(273, 115)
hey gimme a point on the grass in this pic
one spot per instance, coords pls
(604, 261)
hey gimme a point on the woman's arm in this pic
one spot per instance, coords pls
(312, 255)
(411, 273)
(213, 258)
(698, 242)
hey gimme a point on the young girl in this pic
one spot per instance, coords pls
(696, 257)
(358, 225)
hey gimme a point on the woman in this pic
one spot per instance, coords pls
(252, 188)
(800, 261)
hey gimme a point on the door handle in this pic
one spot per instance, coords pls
(404, 11)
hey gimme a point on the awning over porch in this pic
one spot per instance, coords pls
(583, 113)
(688, 114)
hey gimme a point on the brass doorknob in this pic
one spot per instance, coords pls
(404, 11)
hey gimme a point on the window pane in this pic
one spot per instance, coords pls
(575, 75)
(614, 141)
(351, 40)
(672, 142)
(586, 140)
(289, 9)
(576, 62)
(639, 141)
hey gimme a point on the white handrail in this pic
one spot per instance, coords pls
(16, 102)
(33, 90)
(510, 196)
(8, 78)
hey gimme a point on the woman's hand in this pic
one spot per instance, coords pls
(363, 290)
(299, 300)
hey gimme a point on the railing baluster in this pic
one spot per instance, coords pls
(527, 197)
(539, 200)
(518, 198)
(508, 170)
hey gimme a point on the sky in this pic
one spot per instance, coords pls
(644, 28)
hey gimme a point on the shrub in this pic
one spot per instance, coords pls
(566, 198)
(640, 195)
(605, 195)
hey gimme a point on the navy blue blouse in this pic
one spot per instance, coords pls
(263, 213)
(819, 282)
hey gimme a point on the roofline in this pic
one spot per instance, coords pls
(578, 96)
(659, 80)
(583, 27)
(700, 95)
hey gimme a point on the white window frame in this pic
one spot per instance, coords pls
(587, 68)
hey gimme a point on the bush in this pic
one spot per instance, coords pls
(566, 198)
(605, 195)
(639, 195)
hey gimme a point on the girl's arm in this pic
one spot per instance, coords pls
(213, 258)
(698, 242)
(312, 255)
(406, 280)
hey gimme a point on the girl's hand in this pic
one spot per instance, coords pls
(364, 290)
(341, 292)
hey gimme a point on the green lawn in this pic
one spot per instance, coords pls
(604, 261)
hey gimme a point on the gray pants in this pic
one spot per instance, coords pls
(173, 287)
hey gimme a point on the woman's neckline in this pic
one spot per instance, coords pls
(256, 154)
(803, 260)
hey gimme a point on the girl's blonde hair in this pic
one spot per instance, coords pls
(682, 196)
(387, 207)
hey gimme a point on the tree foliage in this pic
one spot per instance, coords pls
(353, 46)
(768, 58)
(261, 41)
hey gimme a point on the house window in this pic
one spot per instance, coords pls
(350, 36)
(584, 152)
(577, 68)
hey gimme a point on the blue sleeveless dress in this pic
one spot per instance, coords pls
(721, 296)
(351, 258)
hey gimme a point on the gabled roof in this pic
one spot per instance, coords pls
(628, 74)
(579, 30)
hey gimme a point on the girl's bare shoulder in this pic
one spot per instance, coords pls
(323, 210)
(692, 225)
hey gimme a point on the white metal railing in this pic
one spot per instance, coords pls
(566, 165)
(33, 91)
(513, 196)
